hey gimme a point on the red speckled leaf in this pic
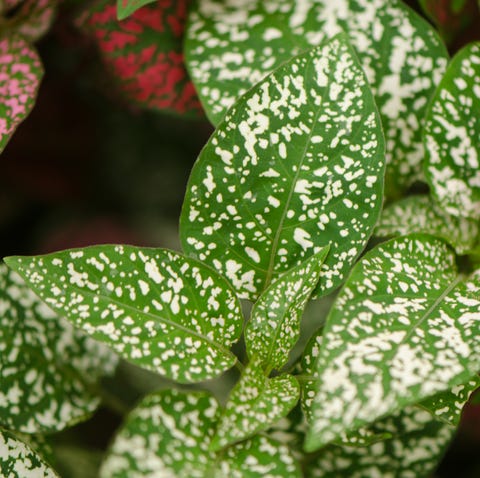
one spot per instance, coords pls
(20, 75)
(126, 7)
(450, 16)
(144, 53)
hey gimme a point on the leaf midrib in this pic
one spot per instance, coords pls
(276, 239)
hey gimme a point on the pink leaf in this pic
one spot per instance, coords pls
(20, 75)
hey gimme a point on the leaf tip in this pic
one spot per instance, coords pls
(13, 262)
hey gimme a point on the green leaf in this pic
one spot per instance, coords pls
(274, 325)
(255, 404)
(21, 72)
(447, 406)
(50, 372)
(309, 373)
(297, 164)
(17, 460)
(156, 308)
(309, 381)
(415, 450)
(421, 214)
(230, 46)
(126, 7)
(170, 433)
(452, 129)
(404, 328)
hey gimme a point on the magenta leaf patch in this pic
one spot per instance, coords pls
(144, 53)
(20, 75)
(126, 7)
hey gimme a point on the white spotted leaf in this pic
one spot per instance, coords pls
(452, 132)
(274, 324)
(448, 406)
(418, 443)
(156, 308)
(309, 384)
(170, 433)
(255, 404)
(445, 406)
(404, 328)
(49, 378)
(421, 214)
(18, 460)
(297, 164)
(232, 45)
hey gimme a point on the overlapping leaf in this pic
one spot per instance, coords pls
(274, 325)
(231, 45)
(17, 460)
(309, 380)
(404, 328)
(155, 307)
(144, 53)
(415, 450)
(445, 406)
(448, 406)
(421, 214)
(47, 369)
(255, 404)
(170, 432)
(20, 75)
(452, 132)
(297, 164)
(126, 7)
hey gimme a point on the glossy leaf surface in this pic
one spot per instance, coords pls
(49, 370)
(232, 45)
(156, 308)
(170, 432)
(404, 328)
(297, 164)
(452, 132)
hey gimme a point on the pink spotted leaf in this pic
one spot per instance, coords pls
(20, 75)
